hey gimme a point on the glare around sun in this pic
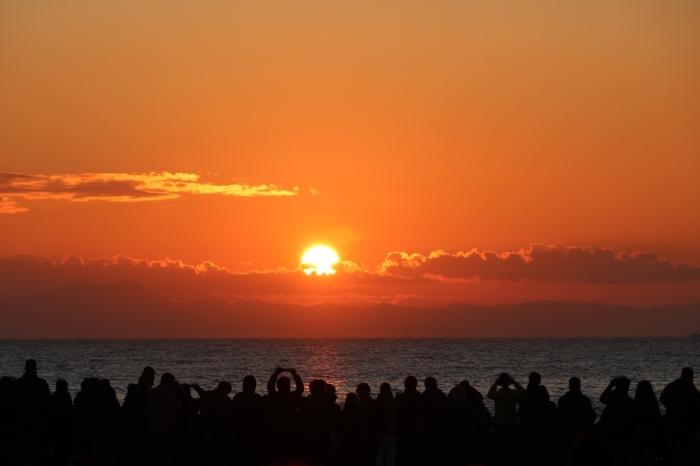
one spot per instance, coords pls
(319, 260)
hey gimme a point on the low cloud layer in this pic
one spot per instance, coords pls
(16, 189)
(537, 273)
(542, 263)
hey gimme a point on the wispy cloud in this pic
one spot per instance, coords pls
(122, 187)
(9, 206)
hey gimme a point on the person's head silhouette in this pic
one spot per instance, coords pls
(687, 375)
(363, 391)
(534, 380)
(410, 383)
(61, 386)
(575, 385)
(458, 394)
(224, 388)
(623, 384)
(283, 384)
(645, 392)
(30, 368)
(317, 387)
(167, 380)
(430, 383)
(385, 390)
(249, 384)
(148, 377)
(504, 379)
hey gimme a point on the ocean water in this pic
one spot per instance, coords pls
(346, 363)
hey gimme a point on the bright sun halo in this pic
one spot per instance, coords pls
(320, 260)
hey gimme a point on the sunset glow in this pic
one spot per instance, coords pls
(319, 260)
(485, 153)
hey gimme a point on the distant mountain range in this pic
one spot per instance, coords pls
(126, 310)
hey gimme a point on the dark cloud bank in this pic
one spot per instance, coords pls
(122, 297)
(543, 263)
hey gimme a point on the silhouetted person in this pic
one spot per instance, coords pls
(215, 411)
(318, 422)
(576, 418)
(616, 422)
(33, 402)
(648, 429)
(164, 418)
(682, 403)
(473, 395)
(368, 437)
(477, 423)
(351, 431)
(135, 416)
(434, 403)
(506, 393)
(96, 412)
(409, 406)
(248, 412)
(283, 418)
(332, 395)
(538, 416)
(479, 420)
(458, 438)
(61, 423)
(385, 425)
(191, 431)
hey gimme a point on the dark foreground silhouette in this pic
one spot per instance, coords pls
(172, 423)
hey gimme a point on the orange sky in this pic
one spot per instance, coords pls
(384, 126)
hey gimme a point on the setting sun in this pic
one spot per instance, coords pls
(320, 260)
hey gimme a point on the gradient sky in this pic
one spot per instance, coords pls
(371, 126)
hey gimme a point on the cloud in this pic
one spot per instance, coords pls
(541, 263)
(8, 206)
(121, 187)
(179, 281)
(536, 273)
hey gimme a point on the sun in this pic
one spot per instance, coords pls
(320, 260)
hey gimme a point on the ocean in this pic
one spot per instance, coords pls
(347, 362)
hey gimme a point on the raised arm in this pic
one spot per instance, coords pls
(271, 384)
(518, 388)
(299, 389)
(493, 391)
(198, 389)
(605, 397)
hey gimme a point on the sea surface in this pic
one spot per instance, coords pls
(346, 363)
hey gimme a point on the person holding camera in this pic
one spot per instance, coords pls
(283, 420)
(506, 392)
(614, 431)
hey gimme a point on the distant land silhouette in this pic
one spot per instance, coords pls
(127, 310)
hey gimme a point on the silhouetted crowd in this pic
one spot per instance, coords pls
(174, 423)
